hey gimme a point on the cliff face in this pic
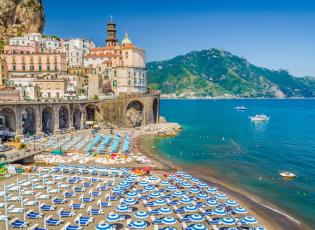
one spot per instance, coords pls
(19, 17)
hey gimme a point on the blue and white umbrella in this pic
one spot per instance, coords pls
(198, 227)
(212, 190)
(138, 224)
(240, 210)
(171, 188)
(171, 177)
(179, 180)
(185, 200)
(103, 226)
(232, 203)
(129, 201)
(165, 210)
(164, 182)
(219, 212)
(203, 185)
(160, 202)
(228, 221)
(113, 217)
(155, 195)
(186, 184)
(122, 208)
(196, 218)
(212, 203)
(195, 180)
(203, 196)
(249, 220)
(221, 196)
(154, 179)
(191, 208)
(141, 214)
(187, 176)
(177, 194)
(259, 228)
(117, 189)
(149, 188)
(194, 190)
(179, 173)
(132, 194)
(169, 220)
(144, 183)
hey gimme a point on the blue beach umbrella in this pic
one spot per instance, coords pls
(177, 194)
(160, 202)
(143, 183)
(194, 190)
(138, 224)
(232, 203)
(195, 180)
(212, 190)
(129, 201)
(132, 194)
(240, 210)
(196, 218)
(187, 176)
(165, 210)
(219, 212)
(141, 214)
(113, 217)
(259, 228)
(203, 185)
(171, 177)
(203, 196)
(149, 188)
(186, 184)
(122, 208)
(198, 227)
(185, 200)
(103, 226)
(171, 188)
(154, 178)
(169, 220)
(249, 220)
(155, 195)
(117, 189)
(180, 173)
(228, 221)
(221, 196)
(179, 180)
(212, 203)
(191, 208)
(164, 182)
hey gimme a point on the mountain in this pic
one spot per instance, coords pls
(215, 72)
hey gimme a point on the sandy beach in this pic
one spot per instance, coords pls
(268, 215)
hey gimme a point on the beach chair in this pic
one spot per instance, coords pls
(13, 210)
(94, 211)
(27, 202)
(45, 207)
(69, 195)
(103, 204)
(95, 194)
(86, 199)
(158, 221)
(79, 189)
(84, 220)
(77, 206)
(69, 226)
(63, 214)
(101, 188)
(59, 201)
(35, 227)
(16, 223)
(33, 215)
(53, 222)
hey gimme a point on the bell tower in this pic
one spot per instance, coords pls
(111, 40)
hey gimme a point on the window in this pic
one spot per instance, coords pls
(126, 54)
(32, 68)
(39, 67)
(56, 68)
(57, 95)
(48, 94)
(23, 67)
(14, 68)
(48, 68)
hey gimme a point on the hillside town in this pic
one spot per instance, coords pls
(36, 67)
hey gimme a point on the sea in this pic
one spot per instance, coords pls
(246, 154)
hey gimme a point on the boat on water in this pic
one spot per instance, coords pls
(287, 175)
(259, 118)
(240, 108)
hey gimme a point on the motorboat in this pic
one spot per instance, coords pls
(240, 108)
(287, 175)
(259, 118)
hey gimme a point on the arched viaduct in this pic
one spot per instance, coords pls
(51, 117)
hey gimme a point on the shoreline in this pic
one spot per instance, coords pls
(268, 214)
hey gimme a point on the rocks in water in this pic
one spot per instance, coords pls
(19, 17)
(165, 129)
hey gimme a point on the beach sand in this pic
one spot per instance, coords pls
(268, 215)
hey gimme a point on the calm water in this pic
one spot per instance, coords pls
(250, 155)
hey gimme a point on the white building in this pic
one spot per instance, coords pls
(76, 49)
(122, 64)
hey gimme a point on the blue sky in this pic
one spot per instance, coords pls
(274, 34)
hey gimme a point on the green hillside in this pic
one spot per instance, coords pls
(216, 72)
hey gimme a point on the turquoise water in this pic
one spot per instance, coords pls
(250, 155)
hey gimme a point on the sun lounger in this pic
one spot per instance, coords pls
(16, 223)
(77, 206)
(53, 222)
(33, 215)
(95, 211)
(70, 226)
(103, 204)
(84, 220)
(45, 207)
(59, 201)
(12, 209)
(63, 213)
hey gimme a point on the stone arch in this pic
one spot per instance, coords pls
(90, 112)
(8, 119)
(28, 118)
(155, 109)
(134, 114)
(77, 117)
(48, 120)
(63, 117)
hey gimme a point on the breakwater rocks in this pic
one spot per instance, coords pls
(165, 129)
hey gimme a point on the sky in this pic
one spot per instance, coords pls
(277, 34)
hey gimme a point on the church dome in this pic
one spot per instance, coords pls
(126, 40)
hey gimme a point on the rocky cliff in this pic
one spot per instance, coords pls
(18, 17)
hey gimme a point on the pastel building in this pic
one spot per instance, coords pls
(3, 71)
(51, 89)
(121, 64)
